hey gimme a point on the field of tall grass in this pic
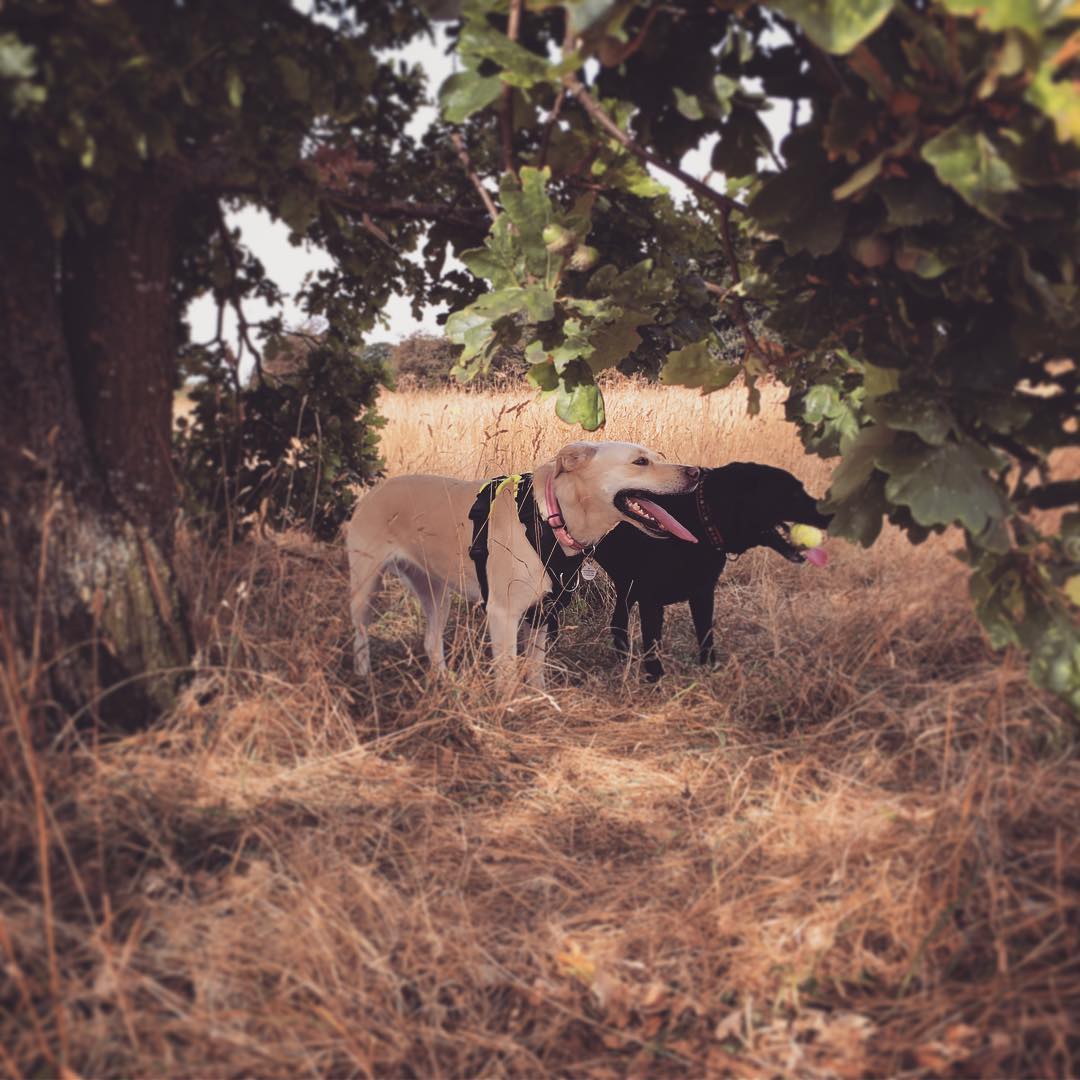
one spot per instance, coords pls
(851, 849)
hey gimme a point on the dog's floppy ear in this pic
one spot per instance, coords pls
(573, 456)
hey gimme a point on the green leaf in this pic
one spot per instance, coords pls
(234, 87)
(579, 400)
(297, 208)
(968, 162)
(1059, 98)
(1072, 589)
(865, 174)
(997, 15)
(297, 79)
(943, 485)
(575, 345)
(629, 175)
(529, 208)
(543, 376)
(800, 210)
(498, 259)
(917, 201)
(836, 25)
(879, 381)
(466, 92)
(913, 411)
(859, 462)
(538, 302)
(520, 66)
(743, 139)
(695, 366)
(688, 105)
(1055, 661)
(16, 59)
(852, 120)
(616, 340)
(859, 517)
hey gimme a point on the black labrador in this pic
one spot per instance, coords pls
(736, 507)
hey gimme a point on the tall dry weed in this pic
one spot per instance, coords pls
(851, 849)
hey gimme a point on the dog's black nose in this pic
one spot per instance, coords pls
(693, 473)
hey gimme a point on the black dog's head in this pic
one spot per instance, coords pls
(754, 505)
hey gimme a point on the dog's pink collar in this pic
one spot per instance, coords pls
(555, 518)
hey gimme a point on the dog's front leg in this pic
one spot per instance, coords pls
(620, 618)
(701, 611)
(536, 640)
(652, 628)
(503, 624)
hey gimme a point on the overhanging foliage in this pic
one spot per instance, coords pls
(914, 241)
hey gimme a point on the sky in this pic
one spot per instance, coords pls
(289, 265)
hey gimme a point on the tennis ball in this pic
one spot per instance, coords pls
(806, 536)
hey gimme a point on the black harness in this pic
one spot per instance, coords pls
(562, 568)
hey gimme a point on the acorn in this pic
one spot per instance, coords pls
(871, 251)
(558, 238)
(584, 257)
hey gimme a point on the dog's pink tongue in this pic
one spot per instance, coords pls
(817, 556)
(667, 521)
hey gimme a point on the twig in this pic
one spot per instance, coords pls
(718, 290)
(375, 231)
(737, 309)
(233, 260)
(549, 127)
(506, 113)
(601, 118)
(725, 203)
(395, 208)
(470, 172)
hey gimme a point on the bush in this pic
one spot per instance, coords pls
(425, 360)
(288, 449)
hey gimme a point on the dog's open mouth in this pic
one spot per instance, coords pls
(784, 544)
(656, 520)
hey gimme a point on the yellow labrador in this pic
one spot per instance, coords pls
(419, 527)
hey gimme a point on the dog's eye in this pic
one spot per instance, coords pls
(641, 461)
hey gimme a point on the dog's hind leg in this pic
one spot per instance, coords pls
(434, 597)
(365, 573)
(701, 611)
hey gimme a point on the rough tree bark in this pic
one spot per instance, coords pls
(91, 615)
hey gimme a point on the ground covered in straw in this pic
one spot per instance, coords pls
(851, 849)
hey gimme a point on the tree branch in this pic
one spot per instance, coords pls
(506, 113)
(233, 260)
(549, 127)
(724, 202)
(738, 311)
(601, 119)
(470, 172)
(400, 208)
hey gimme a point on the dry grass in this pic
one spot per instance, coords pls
(850, 850)
(480, 433)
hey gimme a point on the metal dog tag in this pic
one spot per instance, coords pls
(589, 569)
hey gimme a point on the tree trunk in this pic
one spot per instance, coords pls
(92, 624)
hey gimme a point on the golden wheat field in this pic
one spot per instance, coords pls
(851, 849)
